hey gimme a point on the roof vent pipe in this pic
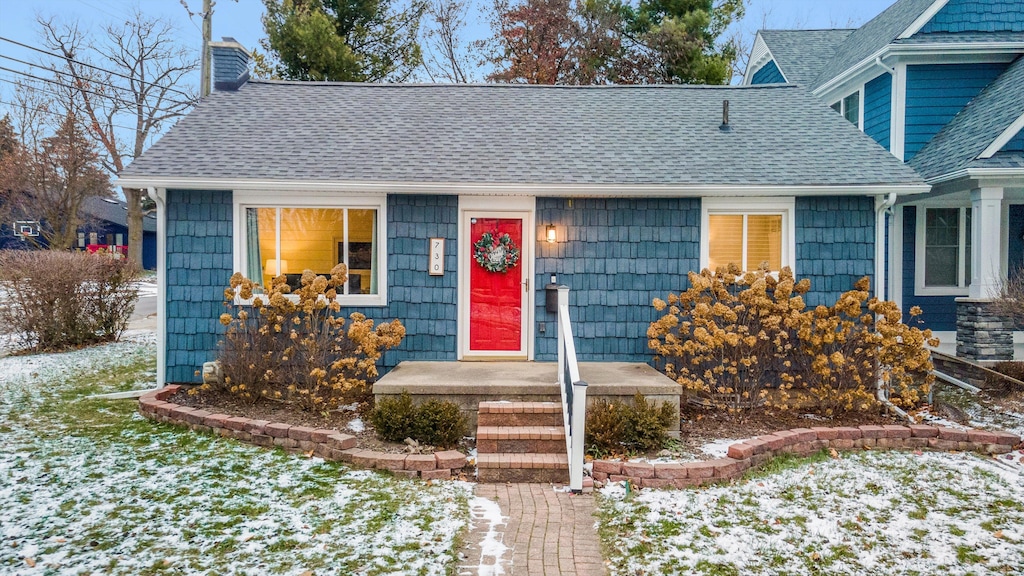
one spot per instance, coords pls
(725, 116)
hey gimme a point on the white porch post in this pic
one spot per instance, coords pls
(986, 231)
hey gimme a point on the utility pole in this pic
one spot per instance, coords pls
(204, 79)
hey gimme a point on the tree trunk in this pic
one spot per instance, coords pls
(133, 196)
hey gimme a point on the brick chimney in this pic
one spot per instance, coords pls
(230, 64)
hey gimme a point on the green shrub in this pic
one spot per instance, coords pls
(435, 422)
(616, 427)
(439, 423)
(393, 417)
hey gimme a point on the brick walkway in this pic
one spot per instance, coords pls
(546, 533)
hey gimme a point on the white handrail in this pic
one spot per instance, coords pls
(574, 393)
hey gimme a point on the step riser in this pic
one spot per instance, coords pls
(491, 446)
(521, 419)
(492, 475)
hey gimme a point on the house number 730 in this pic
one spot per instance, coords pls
(436, 257)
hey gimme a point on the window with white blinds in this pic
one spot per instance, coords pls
(748, 237)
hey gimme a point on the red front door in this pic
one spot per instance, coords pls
(496, 297)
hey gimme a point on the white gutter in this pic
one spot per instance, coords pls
(976, 173)
(160, 197)
(513, 189)
(882, 205)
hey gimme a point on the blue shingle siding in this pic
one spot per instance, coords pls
(426, 305)
(620, 254)
(978, 16)
(938, 312)
(199, 263)
(936, 92)
(877, 108)
(835, 239)
(199, 260)
(768, 74)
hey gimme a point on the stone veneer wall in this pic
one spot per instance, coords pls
(981, 334)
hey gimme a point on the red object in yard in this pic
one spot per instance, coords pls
(117, 251)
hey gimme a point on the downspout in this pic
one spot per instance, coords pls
(160, 197)
(882, 205)
(878, 62)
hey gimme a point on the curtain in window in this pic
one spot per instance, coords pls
(373, 255)
(254, 268)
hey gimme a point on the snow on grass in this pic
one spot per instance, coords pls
(88, 486)
(871, 513)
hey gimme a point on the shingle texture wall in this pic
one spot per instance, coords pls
(426, 305)
(199, 265)
(199, 262)
(768, 74)
(835, 239)
(877, 109)
(978, 16)
(618, 256)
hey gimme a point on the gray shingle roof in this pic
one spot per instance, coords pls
(114, 211)
(872, 36)
(481, 134)
(801, 54)
(974, 128)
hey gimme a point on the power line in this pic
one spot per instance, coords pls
(105, 84)
(54, 55)
(128, 102)
(52, 113)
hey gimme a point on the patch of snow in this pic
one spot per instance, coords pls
(356, 425)
(866, 513)
(719, 448)
(492, 547)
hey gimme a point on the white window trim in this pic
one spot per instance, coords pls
(919, 252)
(860, 106)
(320, 199)
(785, 206)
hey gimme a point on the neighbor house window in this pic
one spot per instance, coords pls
(287, 240)
(849, 107)
(943, 250)
(747, 233)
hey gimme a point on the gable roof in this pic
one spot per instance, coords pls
(115, 212)
(801, 54)
(879, 32)
(958, 145)
(333, 133)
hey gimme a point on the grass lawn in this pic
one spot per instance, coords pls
(88, 486)
(866, 513)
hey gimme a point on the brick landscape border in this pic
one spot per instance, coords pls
(749, 454)
(325, 443)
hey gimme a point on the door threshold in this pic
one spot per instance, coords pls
(484, 358)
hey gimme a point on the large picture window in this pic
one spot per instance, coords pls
(748, 234)
(943, 250)
(287, 240)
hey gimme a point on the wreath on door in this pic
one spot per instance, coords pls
(496, 252)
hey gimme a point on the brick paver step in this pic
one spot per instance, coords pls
(523, 460)
(520, 408)
(520, 433)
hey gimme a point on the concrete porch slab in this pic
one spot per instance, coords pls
(469, 383)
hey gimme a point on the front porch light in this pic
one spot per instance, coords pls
(550, 234)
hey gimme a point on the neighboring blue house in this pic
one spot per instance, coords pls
(105, 224)
(618, 191)
(940, 84)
